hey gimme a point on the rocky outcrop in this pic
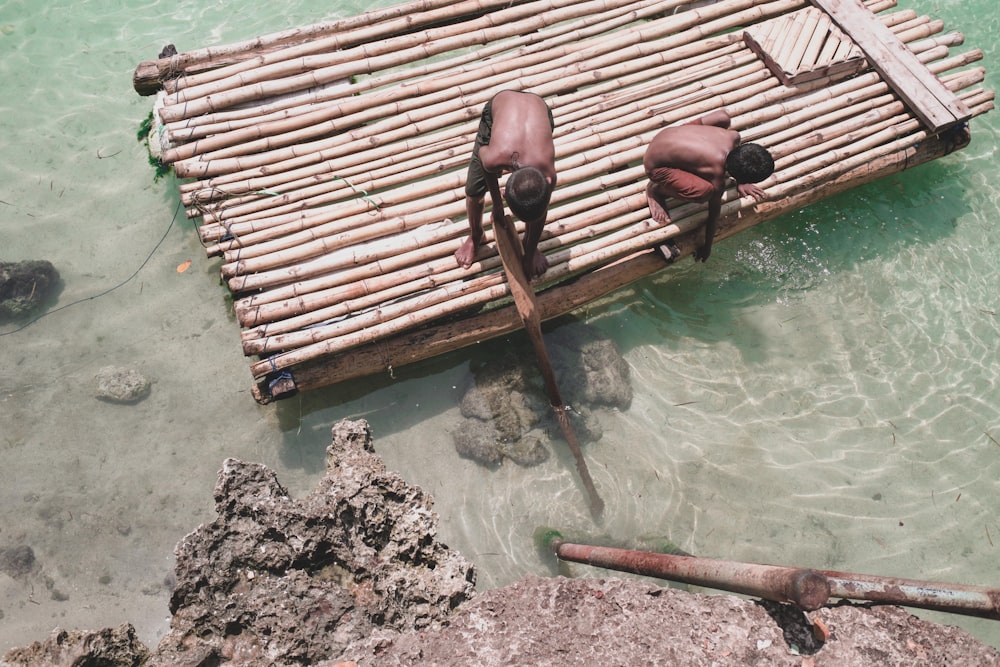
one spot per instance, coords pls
(352, 575)
(275, 579)
(561, 622)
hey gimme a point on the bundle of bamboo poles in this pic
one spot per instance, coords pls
(329, 173)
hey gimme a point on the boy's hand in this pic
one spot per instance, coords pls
(751, 190)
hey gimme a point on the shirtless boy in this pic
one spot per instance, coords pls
(690, 162)
(515, 135)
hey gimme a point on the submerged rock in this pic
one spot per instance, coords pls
(121, 385)
(17, 561)
(25, 286)
(506, 399)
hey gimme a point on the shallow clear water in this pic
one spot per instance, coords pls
(823, 393)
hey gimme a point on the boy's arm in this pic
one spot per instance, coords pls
(534, 266)
(493, 185)
(714, 207)
(717, 118)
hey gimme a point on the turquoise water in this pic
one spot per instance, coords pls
(823, 393)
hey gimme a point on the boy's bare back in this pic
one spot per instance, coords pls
(698, 149)
(521, 133)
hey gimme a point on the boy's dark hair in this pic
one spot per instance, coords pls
(528, 193)
(749, 163)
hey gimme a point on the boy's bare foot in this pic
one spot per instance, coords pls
(537, 267)
(466, 253)
(657, 207)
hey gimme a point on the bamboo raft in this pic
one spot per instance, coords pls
(327, 163)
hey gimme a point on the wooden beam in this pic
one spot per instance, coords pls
(936, 106)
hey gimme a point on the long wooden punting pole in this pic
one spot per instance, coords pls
(808, 589)
(524, 299)
(409, 347)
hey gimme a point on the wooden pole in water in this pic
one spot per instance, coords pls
(524, 298)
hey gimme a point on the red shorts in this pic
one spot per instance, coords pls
(681, 184)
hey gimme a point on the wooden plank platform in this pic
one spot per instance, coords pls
(929, 99)
(803, 46)
(327, 163)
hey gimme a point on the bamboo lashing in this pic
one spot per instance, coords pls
(336, 207)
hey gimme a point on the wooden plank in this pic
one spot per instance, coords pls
(929, 99)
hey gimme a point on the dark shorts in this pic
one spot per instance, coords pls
(681, 184)
(475, 183)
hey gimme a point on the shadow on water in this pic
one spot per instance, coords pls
(788, 256)
(396, 402)
(384, 400)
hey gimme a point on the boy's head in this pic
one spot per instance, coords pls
(528, 193)
(749, 163)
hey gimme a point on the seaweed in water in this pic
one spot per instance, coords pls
(160, 169)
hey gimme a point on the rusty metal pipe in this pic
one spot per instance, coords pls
(807, 589)
(955, 598)
(804, 588)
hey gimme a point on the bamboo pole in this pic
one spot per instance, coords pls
(336, 38)
(367, 58)
(399, 96)
(435, 116)
(150, 75)
(429, 77)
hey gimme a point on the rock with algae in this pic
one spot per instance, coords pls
(25, 286)
(507, 412)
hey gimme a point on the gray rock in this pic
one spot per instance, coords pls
(506, 399)
(121, 385)
(353, 572)
(17, 561)
(110, 647)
